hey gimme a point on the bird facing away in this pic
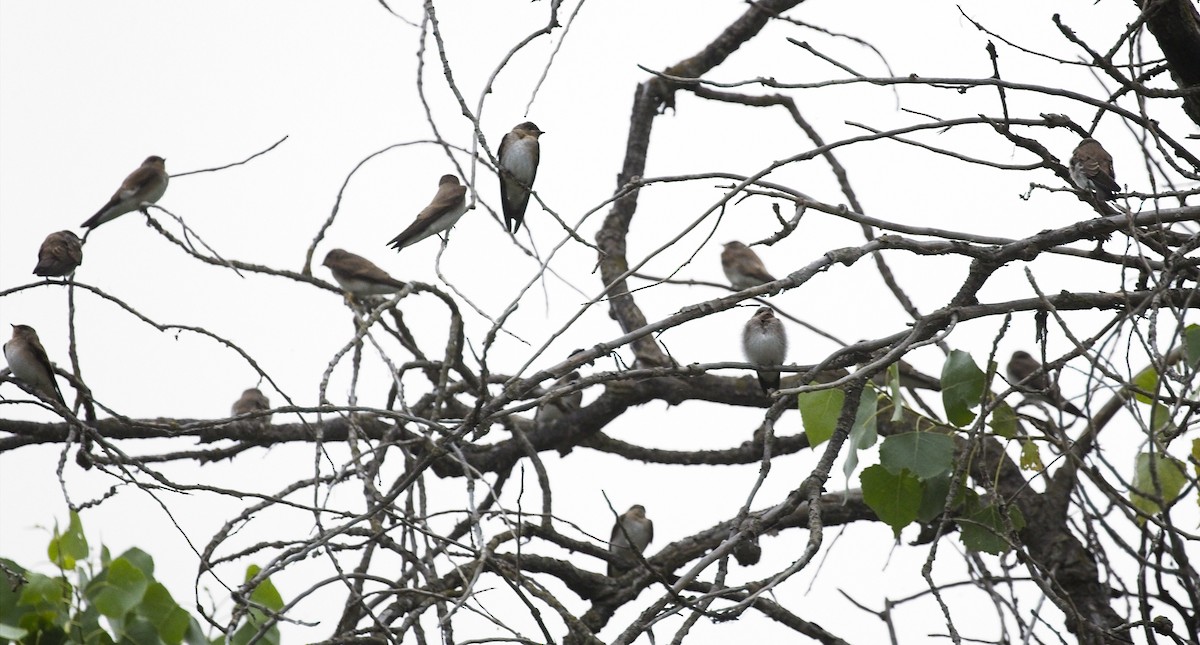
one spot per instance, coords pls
(447, 206)
(59, 255)
(638, 532)
(765, 343)
(146, 184)
(359, 276)
(518, 156)
(28, 361)
(1026, 374)
(742, 266)
(1092, 169)
(252, 400)
(551, 411)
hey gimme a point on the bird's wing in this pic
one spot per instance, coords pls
(39, 355)
(364, 269)
(138, 181)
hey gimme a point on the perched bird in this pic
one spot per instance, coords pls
(359, 276)
(28, 361)
(631, 529)
(1092, 169)
(60, 254)
(557, 408)
(1026, 374)
(518, 167)
(447, 206)
(252, 400)
(765, 343)
(146, 184)
(742, 266)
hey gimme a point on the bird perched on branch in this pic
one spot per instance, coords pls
(444, 211)
(1027, 375)
(60, 254)
(518, 155)
(632, 529)
(146, 184)
(559, 407)
(252, 400)
(765, 343)
(743, 267)
(359, 276)
(29, 363)
(1092, 169)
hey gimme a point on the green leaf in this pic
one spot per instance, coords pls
(9, 632)
(265, 593)
(164, 613)
(1191, 344)
(1170, 480)
(983, 530)
(1031, 457)
(895, 498)
(68, 547)
(141, 560)
(863, 434)
(120, 590)
(1161, 423)
(1004, 421)
(933, 497)
(924, 454)
(819, 412)
(1146, 380)
(139, 631)
(962, 387)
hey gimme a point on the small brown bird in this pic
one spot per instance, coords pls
(146, 184)
(765, 343)
(518, 154)
(742, 266)
(447, 207)
(1092, 169)
(252, 400)
(1026, 374)
(631, 529)
(359, 276)
(554, 409)
(59, 255)
(29, 363)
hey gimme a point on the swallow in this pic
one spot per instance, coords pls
(551, 411)
(765, 343)
(518, 156)
(632, 528)
(359, 276)
(1028, 376)
(1092, 169)
(742, 267)
(146, 184)
(59, 255)
(252, 400)
(447, 206)
(29, 363)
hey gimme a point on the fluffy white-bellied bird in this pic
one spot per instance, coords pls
(359, 276)
(743, 267)
(518, 154)
(29, 363)
(765, 343)
(1026, 374)
(252, 400)
(632, 530)
(60, 254)
(447, 207)
(1092, 169)
(146, 184)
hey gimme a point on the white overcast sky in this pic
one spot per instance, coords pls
(87, 90)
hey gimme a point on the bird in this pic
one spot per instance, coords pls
(252, 400)
(447, 206)
(28, 361)
(551, 411)
(742, 266)
(765, 343)
(359, 276)
(518, 156)
(1027, 375)
(1092, 169)
(146, 184)
(634, 529)
(59, 255)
